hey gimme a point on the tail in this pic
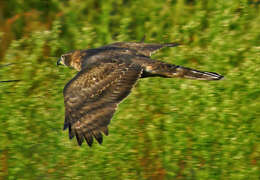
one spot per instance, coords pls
(171, 71)
(189, 73)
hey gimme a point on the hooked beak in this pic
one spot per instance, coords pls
(59, 62)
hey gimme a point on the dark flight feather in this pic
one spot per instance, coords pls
(92, 96)
(106, 76)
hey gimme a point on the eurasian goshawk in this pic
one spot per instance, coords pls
(106, 76)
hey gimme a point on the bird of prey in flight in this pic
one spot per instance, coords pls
(105, 77)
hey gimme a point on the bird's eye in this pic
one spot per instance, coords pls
(62, 56)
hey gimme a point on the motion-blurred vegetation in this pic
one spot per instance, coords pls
(167, 128)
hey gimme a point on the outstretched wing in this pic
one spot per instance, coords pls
(146, 49)
(91, 98)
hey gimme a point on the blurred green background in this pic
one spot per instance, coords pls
(166, 128)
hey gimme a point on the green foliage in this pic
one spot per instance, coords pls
(166, 128)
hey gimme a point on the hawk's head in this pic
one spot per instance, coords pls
(71, 59)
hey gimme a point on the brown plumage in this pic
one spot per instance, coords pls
(106, 76)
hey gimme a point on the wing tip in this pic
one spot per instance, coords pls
(173, 44)
(80, 138)
(89, 139)
(99, 138)
(88, 136)
(105, 131)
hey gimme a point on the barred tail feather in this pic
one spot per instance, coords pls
(195, 74)
(158, 68)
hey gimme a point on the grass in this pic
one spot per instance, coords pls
(166, 128)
